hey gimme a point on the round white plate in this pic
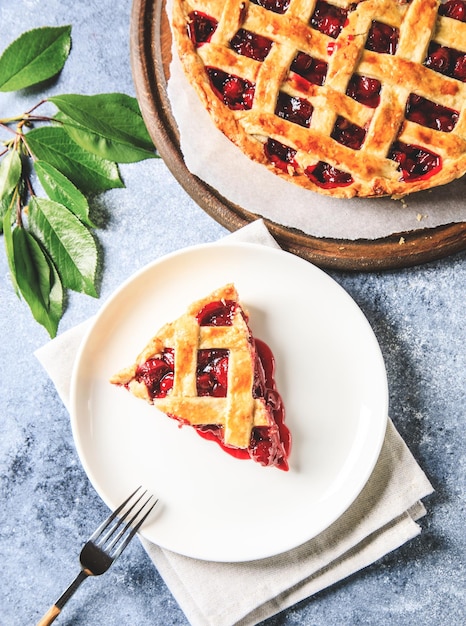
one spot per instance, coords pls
(329, 370)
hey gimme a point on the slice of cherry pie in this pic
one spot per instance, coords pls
(207, 370)
(342, 97)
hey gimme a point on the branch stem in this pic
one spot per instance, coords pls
(26, 116)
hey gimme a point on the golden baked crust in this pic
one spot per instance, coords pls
(239, 411)
(400, 74)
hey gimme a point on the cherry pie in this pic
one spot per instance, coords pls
(206, 370)
(343, 97)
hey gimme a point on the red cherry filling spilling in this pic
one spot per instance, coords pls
(446, 61)
(157, 374)
(430, 114)
(237, 93)
(277, 6)
(348, 134)
(364, 90)
(415, 162)
(311, 69)
(294, 109)
(268, 445)
(280, 155)
(251, 45)
(455, 9)
(200, 27)
(328, 177)
(382, 38)
(328, 19)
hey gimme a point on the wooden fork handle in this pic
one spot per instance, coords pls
(50, 616)
(56, 608)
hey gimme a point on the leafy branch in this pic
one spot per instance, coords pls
(73, 154)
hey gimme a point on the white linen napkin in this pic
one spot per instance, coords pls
(382, 518)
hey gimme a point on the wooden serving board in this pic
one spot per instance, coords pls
(150, 59)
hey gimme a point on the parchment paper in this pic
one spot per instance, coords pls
(212, 157)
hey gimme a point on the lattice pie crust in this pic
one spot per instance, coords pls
(235, 410)
(344, 98)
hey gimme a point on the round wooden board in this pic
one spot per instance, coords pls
(150, 58)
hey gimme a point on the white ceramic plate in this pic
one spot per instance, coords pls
(330, 373)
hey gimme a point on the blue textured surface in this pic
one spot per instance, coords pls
(417, 314)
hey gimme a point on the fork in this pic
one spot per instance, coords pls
(105, 546)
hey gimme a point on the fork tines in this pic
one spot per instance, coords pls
(128, 519)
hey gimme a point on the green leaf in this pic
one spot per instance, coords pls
(35, 56)
(56, 306)
(7, 201)
(109, 125)
(10, 174)
(69, 243)
(56, 299)
(37, 281)
(8, 240)
(60, 189)
(89, 172)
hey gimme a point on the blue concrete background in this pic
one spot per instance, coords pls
(48, 507)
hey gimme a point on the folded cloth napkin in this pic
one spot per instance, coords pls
(382, 518)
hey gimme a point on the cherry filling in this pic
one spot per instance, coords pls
(430, 114)
(364, 90)
(251, 45)
(217, 313)
(237, 93)
(348, 134)
(212, 364)
(455, 9)
(200, 27)
(277, 6)
(157, 374)
(311, 69)
(328, 19)
(446, 61)
(268, 445)
(212, 373)
(280, 155)
(382, 38)
(328, 177)
(294, 109)
(415, 162)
